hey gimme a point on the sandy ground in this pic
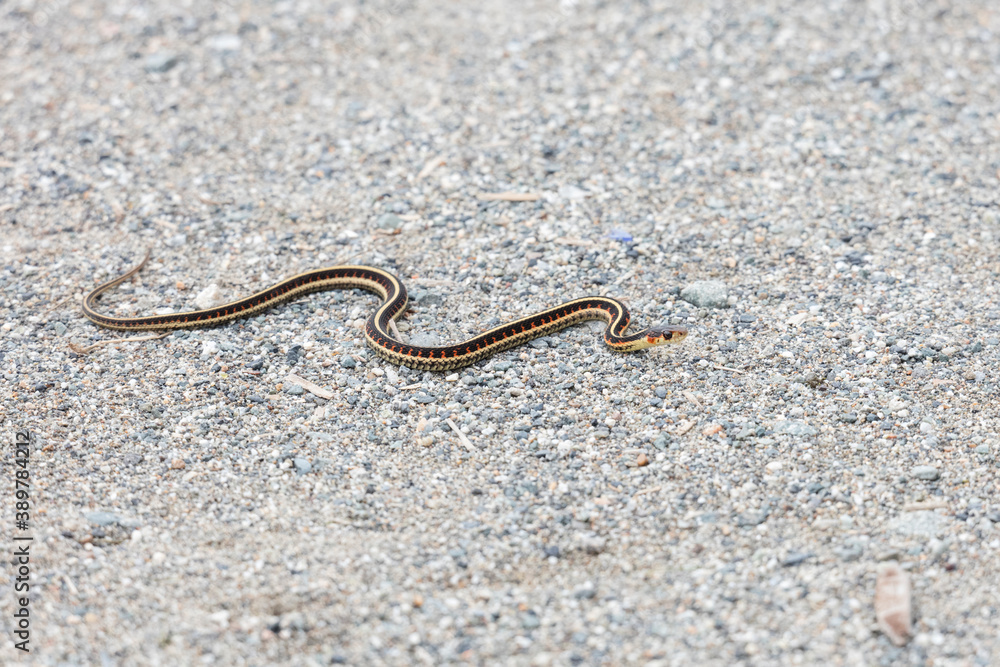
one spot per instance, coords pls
(810, 188)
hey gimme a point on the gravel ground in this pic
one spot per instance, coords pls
(811, 187)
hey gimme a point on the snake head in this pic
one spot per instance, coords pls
(662, 334)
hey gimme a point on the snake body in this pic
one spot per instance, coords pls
(394, 298)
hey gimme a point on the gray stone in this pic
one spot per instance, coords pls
(927, 473)
(923, 523)
(530, 620)
(706, 294)
(752, 517)
(347, 361)
(796, 558)
(849, 552)
(302, 465)
(388, 221)
(132, 459)
(796, 428)
(426, 298)
(593, 544)
(162, 61)
(936, 548)
(102, 518)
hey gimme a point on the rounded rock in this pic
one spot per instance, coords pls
(706, 294)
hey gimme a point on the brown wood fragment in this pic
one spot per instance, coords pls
(311, 387)
(430, 166)
(893, 605)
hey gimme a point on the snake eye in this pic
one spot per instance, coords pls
(665, 334)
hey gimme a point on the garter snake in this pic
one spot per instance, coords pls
(393, 294)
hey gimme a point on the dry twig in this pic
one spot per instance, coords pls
(510, 196)
(461, 436)
(312, 388)
(101, 343)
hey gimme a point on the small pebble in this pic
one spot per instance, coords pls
(102, 518)
(706, 294)
(161, 61)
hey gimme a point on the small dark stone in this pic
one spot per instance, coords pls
(102, 518)
(752, 518)
(161, 62)
(530, 621)
(795, 558)
(813, 380)
(132, 459)
(424, 298)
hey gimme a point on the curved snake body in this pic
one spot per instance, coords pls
(394, 299)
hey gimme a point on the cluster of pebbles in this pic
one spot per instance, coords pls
(810, 188)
